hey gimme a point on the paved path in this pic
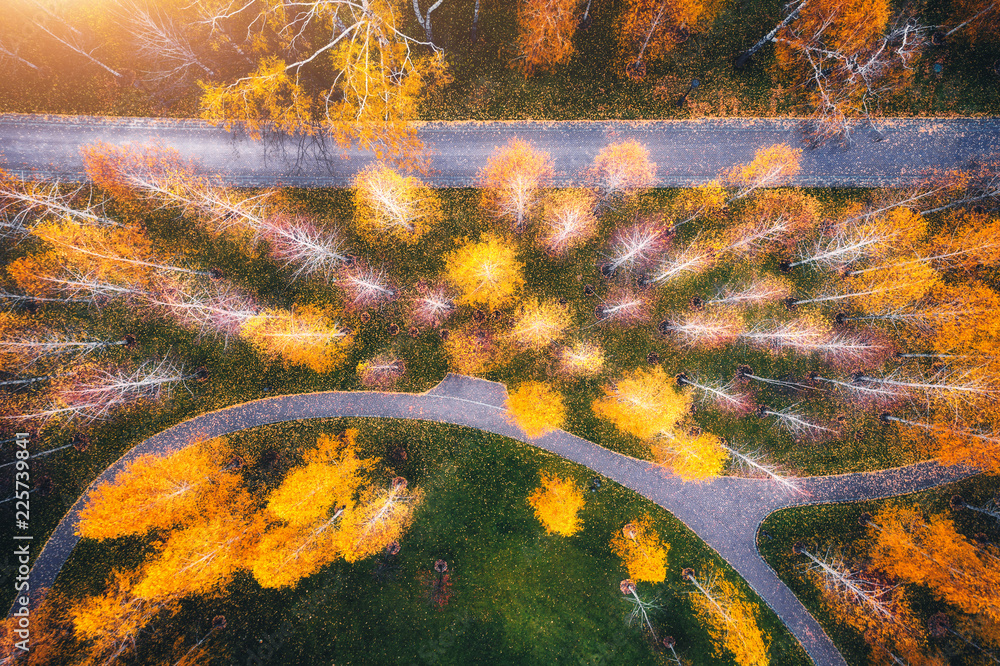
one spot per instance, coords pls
(726, 512)
(686, 152)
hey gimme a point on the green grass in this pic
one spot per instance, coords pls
(520, 596)
(590, 86)
(836, 529)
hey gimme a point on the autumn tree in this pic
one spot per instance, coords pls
(389, 204)
(541, 323)
(536, 408)
(568, 221)
(648, 30)
(691, 454)
(557, 503)
(545, 33)
(849, 53)
(622, 169)
(730, 618)
(485, 273)
(641, 550)
(381, 371)
(931, 551)
(772, 166)
(581, 358)
(342, 68)
(328, 509)
(158, 492)
(511, 181)
(644, 403)
(303, 336)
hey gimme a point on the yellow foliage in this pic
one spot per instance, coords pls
(892, 287)
(485, 273)
(303, 336)
(330, 476)
(693, 457)
(568, 220)
(389, 204)
(582, 358)
(644, 403)
(623, 168)
(731, 620)
(158, 492)
(380, 517)
(541, 323)
(642, 551)
(704, 201)
(557, 503)
(838, 25)
(771, 166)
(536, 408)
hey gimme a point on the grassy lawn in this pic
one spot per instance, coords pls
(836, 529)
(590, 86)
(520, 596)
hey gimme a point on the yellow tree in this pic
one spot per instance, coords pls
(692, 455)
(337, 66)
(389, 204)
(642, 551)
(485, 273)
(111, 622)
(511, 180)
(326, 510)
(931, 552)
(204, 554)
(771, 166)
(545, 33)
(731, 619)
(303, 336)
(622, 169)
(644, 403)
(649, 29)
(536, 408)
(582, 358)
(557, 503)
(541, 323)
(158, 492)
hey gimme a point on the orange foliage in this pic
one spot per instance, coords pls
(536, 408)
(839, 25)
(931, 552)
(642, 551)
(511, 180)
(472, 350)
(545, 33)
(644, 403)
(113, 168)
(693, 456)
(568, 220)
(581, 359)
(158, 492)
(557, 503)
(649, 29)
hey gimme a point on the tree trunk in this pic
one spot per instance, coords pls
(474, 32)
(744, 57)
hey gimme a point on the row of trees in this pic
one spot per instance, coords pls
(729, 617)
(210, 526)
(904, 555)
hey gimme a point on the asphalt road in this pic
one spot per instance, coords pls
(686, 152)
(726, 512)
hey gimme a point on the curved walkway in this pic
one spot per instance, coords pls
(726, 512)
(686, 151)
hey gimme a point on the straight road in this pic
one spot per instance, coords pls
(726, 512)
(686, 151)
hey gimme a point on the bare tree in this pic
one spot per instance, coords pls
(9, 51)
(158, 40)
(425, 19)
(70, 37)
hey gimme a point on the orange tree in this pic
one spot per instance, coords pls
(545, 33)
(649, 29)
(536, 408)
(557, 503)
(642, 551)
(485, 273)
